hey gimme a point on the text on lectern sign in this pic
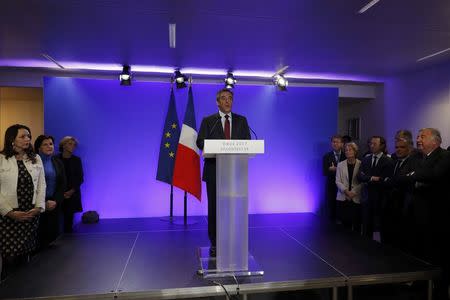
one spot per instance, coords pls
(233, 147)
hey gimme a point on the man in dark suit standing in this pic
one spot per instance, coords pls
(397, 211)
(221, 125)
(431, 205)
(374, 169)
(329, 164)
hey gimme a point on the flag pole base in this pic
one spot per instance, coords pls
(182, 221)
(167, 219)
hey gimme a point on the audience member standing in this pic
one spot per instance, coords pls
(50, 223)
(22, 195)
(349, 189)
(329, 165)
(74, 177)
(397, 212)
(431, 205)
(374, 169)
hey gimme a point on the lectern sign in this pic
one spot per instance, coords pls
(214, 147)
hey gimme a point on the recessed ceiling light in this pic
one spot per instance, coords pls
(434, 54)
(367, 6)
(172, 35)
(49, 58)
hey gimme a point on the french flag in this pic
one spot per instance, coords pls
(186, 173)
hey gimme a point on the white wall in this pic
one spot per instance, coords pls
(417, 100)
(370, 112)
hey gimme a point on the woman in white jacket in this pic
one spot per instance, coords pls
(22, 194)
(348, 207)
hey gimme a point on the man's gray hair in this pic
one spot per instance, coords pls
(406, 140)
(435, 134)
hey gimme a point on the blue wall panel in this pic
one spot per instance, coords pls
(119, 130)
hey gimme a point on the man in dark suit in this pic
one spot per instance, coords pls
(221, 125)
(329, 164)
(431, 205)
(397, 211)
(374, 169)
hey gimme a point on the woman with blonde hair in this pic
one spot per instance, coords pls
(74, 178)
(348, 207)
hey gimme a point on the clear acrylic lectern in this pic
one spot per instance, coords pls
(232, 256)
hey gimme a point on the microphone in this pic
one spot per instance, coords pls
(214, 126)
(256, 137)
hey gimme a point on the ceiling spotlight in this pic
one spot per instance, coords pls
(230, 81)
(368, 6)
(125, 76)
(280, 81)
(180, 79)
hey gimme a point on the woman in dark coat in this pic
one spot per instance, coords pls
(50, 223)
(74, 176)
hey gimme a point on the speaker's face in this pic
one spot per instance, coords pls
(225, 102)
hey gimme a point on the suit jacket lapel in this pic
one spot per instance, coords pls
(345, 170)
(221, 134)
(234, 127)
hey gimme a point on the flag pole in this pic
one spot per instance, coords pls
(185, 193)
(170, 219)
(171, 203)
(185, 208)
(171, 186)
(186, 221)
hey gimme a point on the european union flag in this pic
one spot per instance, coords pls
(169, 143)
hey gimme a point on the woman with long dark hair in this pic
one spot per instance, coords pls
(22, 194)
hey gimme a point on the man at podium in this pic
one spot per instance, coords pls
(221, 125)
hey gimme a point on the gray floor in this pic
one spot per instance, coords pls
(145, 258)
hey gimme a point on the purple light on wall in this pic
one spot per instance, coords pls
(199, 71)
(147, 69)
(27, 63)
(90, 66)
(119, 129)
(250, 73)
(334, 76)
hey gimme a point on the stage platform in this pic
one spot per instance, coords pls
(152, 259)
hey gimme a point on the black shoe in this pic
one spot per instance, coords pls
(212, 251)
(3, 274)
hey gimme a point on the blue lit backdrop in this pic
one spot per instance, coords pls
(119, 130)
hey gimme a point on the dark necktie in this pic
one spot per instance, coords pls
(397, 166)
(227, 127)
(374, 161)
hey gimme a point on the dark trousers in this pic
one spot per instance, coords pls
(349, 213)
(397, 225)
(330, 194)
(68, 213)
(49, 226)
(211, 191)
(370, 216)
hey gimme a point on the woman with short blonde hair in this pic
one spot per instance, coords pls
(348, 209)
(74, 178)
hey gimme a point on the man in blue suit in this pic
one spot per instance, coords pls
(221, 125)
